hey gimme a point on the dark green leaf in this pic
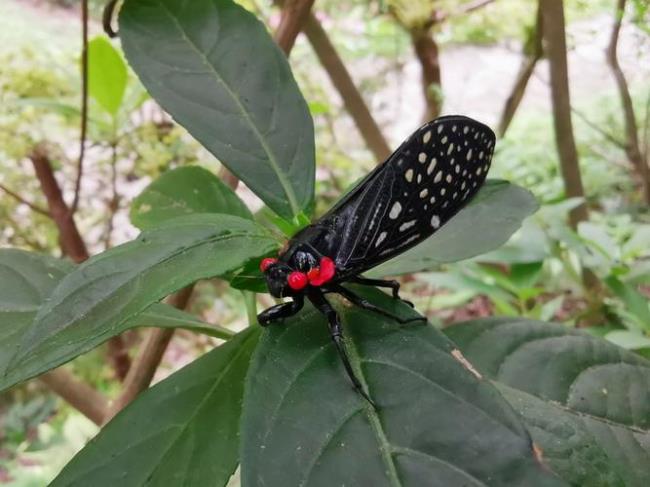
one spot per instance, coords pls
(213, 66)
(585, 400)
(436, 423)
(185, 191)
(107, 75)
(486, 223)
(182, 431)
(96, 300)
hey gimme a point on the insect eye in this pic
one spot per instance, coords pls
(297, 280)
(266, 263)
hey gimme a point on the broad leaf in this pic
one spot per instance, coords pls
(636, 303)
(26, 282)
(184, 191)
(96, 300)
(182, 431)
(437, 422)
(585, 401)
(107, 75)
(213, 66)
(484, 224)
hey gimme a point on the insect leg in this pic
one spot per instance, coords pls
(336, 332)
(283, 310)
(392, 284)
(365, 304)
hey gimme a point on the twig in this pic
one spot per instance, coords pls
(145, 364)
(81, 396)
(107, 18)
(71, 242)
(523, 76)
(294, 15)
(462, 10)
(84, 103)
(342, 81)
(20, 199)
(619, 143)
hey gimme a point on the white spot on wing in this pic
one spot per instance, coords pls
(435, 221)
(438, 177)
(395, 210)
(381, 238)
(448, 178)
(408, 175)
(450, 149)
(427, 137)
(440, 128)
(432, 165)
(406, 225)
(424, 193)
(422, 157)
(469, 154)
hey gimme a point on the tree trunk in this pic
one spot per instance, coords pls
(632, 146)
(427, 52)
(555, 46)
(533, 52)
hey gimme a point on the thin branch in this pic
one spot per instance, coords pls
(523, 76)
(342, 81)
(294, 15)
(462, 10)
(612, 138)
(79, 395)
(632, 147)
(20, 199)
(148, 359)
(84, 103)
(107, 18)
(71, 242)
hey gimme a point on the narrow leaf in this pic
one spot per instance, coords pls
(484, 224)
(213, 66)
(182, 431)
(185, 191)
(96, 300)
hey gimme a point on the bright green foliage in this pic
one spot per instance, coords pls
(435, 418)
(107, 75)
(230, 86)
(183, 191)
(584, 400)
(183, 431)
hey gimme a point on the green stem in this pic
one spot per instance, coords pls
(250, 300)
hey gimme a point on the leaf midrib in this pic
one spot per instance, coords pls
(271, 156)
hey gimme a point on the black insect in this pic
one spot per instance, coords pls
(422, 185)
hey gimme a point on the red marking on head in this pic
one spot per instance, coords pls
(266, 263)
(323, 273)
(297, 280)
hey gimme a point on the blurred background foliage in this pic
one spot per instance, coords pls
(538, 274)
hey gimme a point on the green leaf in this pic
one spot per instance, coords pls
(634, 301)
(161, 315)
(185, 191)
(182, 431)
(436, 422)
(96, 300)
(107, 75)
(585, 401)
(483, 225)
(213, 66)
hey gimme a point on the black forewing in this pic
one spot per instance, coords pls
(424, 183)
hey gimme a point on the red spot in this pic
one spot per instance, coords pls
(322, 274)
(297, 280)
(266, 263)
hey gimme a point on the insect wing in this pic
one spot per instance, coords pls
(424, 183)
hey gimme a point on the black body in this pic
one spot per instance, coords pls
(403, 201)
